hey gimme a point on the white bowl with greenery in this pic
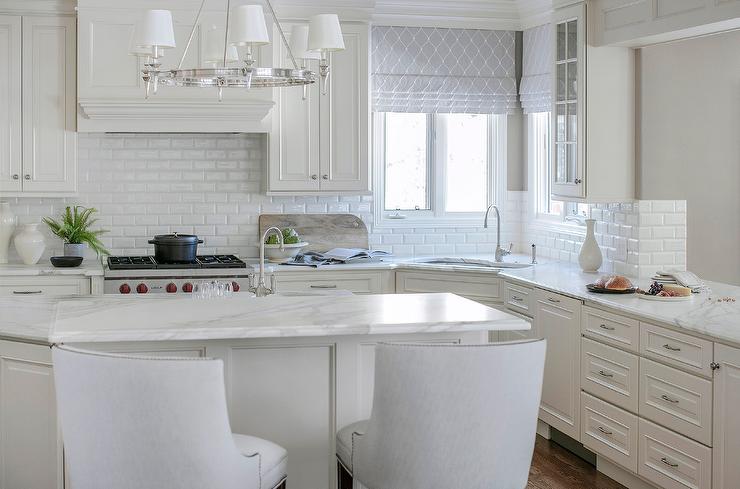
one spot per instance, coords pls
(274, 254)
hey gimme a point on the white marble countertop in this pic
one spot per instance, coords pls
(116, 318)
(88, 268)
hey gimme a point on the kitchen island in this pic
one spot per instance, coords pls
(297, 368)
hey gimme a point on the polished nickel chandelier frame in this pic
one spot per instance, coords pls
(223, 76)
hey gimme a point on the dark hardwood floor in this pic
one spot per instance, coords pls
(553, 467)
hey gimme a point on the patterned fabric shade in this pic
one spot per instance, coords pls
(428, 70)
(537, 60)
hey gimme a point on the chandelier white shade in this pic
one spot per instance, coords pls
(214, 47)
(299, 43)
(325, 34)
(136, 50)
(248, 26)
(156, 30)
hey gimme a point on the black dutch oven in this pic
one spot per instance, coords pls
(175, 248)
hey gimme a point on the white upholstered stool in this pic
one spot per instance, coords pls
(447, 416)
(131, 422)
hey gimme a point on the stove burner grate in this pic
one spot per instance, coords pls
(148, 262)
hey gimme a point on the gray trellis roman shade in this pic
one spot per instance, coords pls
(429, 70)
(537, 54)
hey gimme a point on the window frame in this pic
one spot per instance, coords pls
(437, 216)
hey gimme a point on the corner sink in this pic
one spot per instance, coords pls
(471, 262)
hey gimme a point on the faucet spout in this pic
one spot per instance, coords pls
(261, 289)
(500, 252)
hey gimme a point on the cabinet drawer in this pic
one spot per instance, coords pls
(671, 461)
(30, 286)
(611, 328)
(609, 431)
(677, 400)
(518, 298)
(610, 374)
(677, 349)
(475, 286)
(357, 283)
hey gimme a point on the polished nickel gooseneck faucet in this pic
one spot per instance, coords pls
(261, 289)
(500, 252)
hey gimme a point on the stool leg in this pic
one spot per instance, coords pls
(344, 478)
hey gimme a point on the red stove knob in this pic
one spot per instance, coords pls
(142, 289)
(124, 289)
(235, 286)
(171, 288)
(187, 287)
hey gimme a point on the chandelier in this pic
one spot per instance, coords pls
(247, 29)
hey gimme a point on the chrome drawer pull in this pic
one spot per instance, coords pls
(26, 292)
(553, 300)
(604, 374)
(516, 298)
(323, 286)
(608, 328)
(604, 431)
(671, 348)
(666, 398)
(668, 462)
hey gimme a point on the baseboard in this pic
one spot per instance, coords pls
(573, 446)
(624, 477)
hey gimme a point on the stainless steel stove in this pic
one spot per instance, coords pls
(144, 275)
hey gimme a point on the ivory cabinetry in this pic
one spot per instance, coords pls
(593, 155)
(320, 143)
(726, 437)
(480, 287)
(38, 88)
(364, 282)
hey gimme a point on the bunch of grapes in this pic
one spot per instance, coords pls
(655, 288)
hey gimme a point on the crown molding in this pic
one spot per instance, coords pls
(533, 13)
(39, 7)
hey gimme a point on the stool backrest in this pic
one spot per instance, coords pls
(145, 422)
(452, 416)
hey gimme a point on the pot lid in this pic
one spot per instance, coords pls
(175, 239)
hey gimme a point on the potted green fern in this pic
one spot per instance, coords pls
(74, 229)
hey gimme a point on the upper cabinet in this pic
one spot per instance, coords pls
(320, 143)
(642, 22)
(111, 89)
(592, 114)
(38, 87)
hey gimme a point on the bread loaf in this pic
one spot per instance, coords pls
(618, 282)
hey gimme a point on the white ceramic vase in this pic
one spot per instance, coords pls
(7, 226)
(590, 257)
(29, 244)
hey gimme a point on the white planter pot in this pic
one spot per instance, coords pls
(590, 257)
(75, 249)
(7, 226)
(30, 244)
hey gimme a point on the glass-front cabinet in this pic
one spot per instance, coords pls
(568, 171)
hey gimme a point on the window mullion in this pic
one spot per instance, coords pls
(438, 164)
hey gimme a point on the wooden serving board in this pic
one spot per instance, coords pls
(322, 231)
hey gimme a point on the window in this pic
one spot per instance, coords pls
(436, 166)
(538, 136)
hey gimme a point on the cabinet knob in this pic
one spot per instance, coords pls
(577, 180)
(325, 177)
(314, 177)
(15, 176)
(27, 176)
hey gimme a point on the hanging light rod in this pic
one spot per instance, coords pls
(249, 30)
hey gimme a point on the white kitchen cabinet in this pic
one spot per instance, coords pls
(638, 23)
(592, 114)
(480, 287)
(40, 159)
(35, 285)
(364, 282)
(558, 319)
(10, 100)
(320, 144)
(111, 89)
(726, 436)
(30, 441)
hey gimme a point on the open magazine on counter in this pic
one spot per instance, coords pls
(337, 256)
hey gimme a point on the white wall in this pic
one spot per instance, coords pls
(689, 144)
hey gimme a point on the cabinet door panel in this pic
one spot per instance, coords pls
(344, 116)
(726, 421)
(10, 100)
(49, 137)
(294, 140)
(558, 320)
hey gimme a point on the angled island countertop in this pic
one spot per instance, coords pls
(157, 318)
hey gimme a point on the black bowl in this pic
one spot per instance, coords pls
(66, 261)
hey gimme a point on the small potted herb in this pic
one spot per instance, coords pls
(74, 229)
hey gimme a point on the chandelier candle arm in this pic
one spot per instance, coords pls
(282, 34)
(192, 33)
